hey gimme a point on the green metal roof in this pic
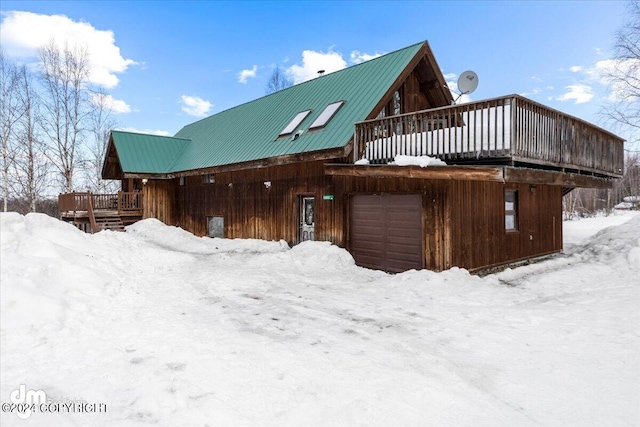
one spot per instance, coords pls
(142, 153)
(250, 131)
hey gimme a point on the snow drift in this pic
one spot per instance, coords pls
(171, 329)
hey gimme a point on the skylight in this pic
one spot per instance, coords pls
(293, 124)
(326, 115)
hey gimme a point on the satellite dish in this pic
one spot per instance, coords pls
(467, 82)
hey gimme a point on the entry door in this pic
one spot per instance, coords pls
(385, 231)
(307, 221)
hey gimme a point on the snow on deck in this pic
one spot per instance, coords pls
(170, 329)
(482, 132)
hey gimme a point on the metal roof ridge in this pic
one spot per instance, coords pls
(150, 134)
(305, 82)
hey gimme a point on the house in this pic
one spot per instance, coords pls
(316, 162)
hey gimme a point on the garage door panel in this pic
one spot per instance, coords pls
(386, 231)
(405, 233)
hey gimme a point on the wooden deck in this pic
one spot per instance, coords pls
(509, 130)
(95, 212)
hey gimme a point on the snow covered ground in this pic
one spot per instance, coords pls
(169, 329)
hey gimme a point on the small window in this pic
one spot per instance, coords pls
(511, 210)
(208, 178)
(215, 226)
(183, 180)
(293, 124)
(326, 115)
(397, 106)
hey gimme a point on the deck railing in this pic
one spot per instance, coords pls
(122, 202)
(506, 129)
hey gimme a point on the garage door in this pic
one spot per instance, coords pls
(385, 231)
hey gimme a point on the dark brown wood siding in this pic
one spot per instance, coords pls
(478, 235)
(159, 200)
(462, 221)
(257, 203)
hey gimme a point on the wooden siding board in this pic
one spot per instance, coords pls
(462, 221)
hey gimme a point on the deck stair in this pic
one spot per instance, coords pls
(109, 222)
(95, 212)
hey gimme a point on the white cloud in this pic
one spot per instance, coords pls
(576, 68)
(145, 131)
(579, 93)
(23, 33)
(246, 74)
(358, 57)
(618, 75)
(453, 87)
(612, 74)
(109, 102)
(312, 62)
(452, 84)
(195, 106)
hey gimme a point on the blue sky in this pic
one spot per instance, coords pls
(178, 61)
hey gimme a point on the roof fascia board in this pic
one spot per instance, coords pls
(431, 60)
(423, 52)
(106, 155)
(545, 177)
(463, 173)
(334, 153)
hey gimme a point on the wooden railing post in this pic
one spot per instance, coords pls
(513, 133)
(92, 217)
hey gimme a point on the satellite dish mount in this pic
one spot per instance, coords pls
(467, 83)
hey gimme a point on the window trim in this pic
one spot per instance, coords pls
(209, 178)
(317, 124)
(511, 212)
(295, 123)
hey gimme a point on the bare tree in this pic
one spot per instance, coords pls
(65, 105)
(629, 185)
(30, 165)
(101, 121)
(624, 74)
(278, 81)
(10, 113)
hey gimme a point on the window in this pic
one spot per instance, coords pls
(183, 180)
(208, 178)
(397, 109)
(215, 226)
(326, 115)
(511, 210)
(293, 124)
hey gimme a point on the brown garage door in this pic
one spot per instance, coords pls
(385, 231)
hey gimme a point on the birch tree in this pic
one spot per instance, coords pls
(30, 165)
(10, 113)
(100, 123)
(64, 75)
(623, 73)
